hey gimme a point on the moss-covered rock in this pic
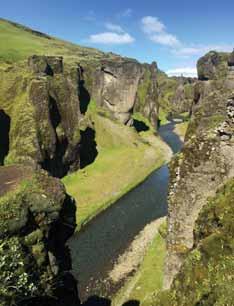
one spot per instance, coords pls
(33, 214)
(213, 66)
(175, 95)
(206, 277)
(200, 169)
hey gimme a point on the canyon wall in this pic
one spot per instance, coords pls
(199, 263)
(175, 94)
(46, 99)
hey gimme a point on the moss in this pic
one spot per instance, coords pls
(14, 101)
(17, 275)
(143, 87)
(206, 277)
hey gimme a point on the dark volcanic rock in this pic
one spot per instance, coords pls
(49, 65)
(212, 66)
(45, 113)
(37, 217)
(203, 166)
(125, 85)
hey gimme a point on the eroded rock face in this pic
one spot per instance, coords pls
(176, 94)
(206, 163)
(183, 98)
(48, 65)
(37, 217)
(213, 66)
(44, 114)
(206, 276)
(57, 113)
(124, 85)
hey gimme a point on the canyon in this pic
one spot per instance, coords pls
(100, 124)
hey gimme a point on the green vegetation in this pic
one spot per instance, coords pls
(19, 42)
(163, 116)
(207, 273)
(151, 272)
(124, 160)
(181, 129)
(143, 88)
(148, 280)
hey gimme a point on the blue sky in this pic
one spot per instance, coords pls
(174, 33)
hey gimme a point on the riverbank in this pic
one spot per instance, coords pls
(144, 284)
(125, 159)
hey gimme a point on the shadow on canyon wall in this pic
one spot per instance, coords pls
(140, 126)
(84, 97)
(5, 122)
(88, 148)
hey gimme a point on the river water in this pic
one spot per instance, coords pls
(95, 249)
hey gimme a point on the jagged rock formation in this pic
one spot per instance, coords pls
(175, 94)
(198, 244)
(54, 99)
(213, 65)
(125, 86)
(206, 277)
(37, 217)
(42, 102)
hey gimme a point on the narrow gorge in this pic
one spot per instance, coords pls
(116, 180)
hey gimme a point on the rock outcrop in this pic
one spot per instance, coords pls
(175, 94)
(42, 102)
(196, 225)
(213, 65)
(46, 100)
(124, 86)
(37, 217)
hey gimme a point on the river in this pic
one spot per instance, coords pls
(95, 249)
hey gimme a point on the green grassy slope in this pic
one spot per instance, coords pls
(19, 42)
(125, 159)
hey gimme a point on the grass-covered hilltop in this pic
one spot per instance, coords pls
(79, 129)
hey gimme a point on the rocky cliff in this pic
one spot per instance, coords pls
(43, 99)
(125, 86)
(175, 94)
(37, 217)
(45, 130)
(199, 264)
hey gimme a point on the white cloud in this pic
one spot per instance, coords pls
(152, 25)
(111, 38)
(199, 50)
(114, 27)
(156, 31)
(185, 71)
(127, 13)
(165, 39)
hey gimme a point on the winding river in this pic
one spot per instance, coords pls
(96, 248)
